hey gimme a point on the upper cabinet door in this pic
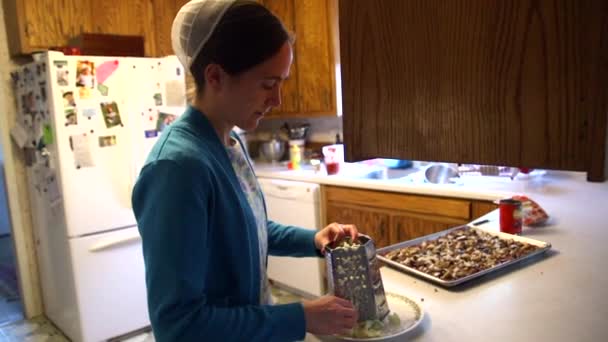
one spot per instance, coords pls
(311, 89)
(285, 10)
(35, 25)
(519, 83)
(164, 13)
(132, 18)
(316, 64)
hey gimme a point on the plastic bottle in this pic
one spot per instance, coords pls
(296, 157)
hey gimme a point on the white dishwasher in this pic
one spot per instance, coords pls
(294, 203)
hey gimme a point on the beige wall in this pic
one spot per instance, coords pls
(18, 198)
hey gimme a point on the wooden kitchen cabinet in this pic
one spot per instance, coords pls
(480, 208)
(285, 9)
(131, 18)
(368, 221)
(165, 11)
(407, 227)
(36, 25)
(518, 83)
(311, 89)
(391, 217)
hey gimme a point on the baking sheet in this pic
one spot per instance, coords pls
(543, 247)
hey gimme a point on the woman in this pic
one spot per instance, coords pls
(199, 208)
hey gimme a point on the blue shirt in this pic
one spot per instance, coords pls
(200, 244)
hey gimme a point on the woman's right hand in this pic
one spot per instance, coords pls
(329, 315)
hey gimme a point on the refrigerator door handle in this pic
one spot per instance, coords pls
(112, 242)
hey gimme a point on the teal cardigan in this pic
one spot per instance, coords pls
(200, 244)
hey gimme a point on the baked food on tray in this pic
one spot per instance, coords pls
(460, 253)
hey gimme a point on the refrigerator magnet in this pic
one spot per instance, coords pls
(151, 133)
(28, 102)
(51, 187)
(42, 91)
(37, 126)
(62, 72)
(158, 96)
(111, 115)
(28, 121)
(28, 77)
(109, 140)
(85, 74)
(29, 156)
(158, 99)
(68, 99)
(164, 120)
(47, 134)
(89, 112)
(19, 135)
(84, 93)
(105, 70)
(103, 89)
(15, 78)
(70, 117)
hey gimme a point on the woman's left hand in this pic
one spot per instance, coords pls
(334, 232)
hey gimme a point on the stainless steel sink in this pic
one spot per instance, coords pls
(358, 171)
(387, 174)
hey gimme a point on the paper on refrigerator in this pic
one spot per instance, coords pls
(19, 135)
(81, 145)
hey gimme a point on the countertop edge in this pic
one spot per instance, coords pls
(451, 191)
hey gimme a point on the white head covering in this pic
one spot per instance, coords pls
(193, 25)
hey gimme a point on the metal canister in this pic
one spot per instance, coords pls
(353, 273)
(510, 216)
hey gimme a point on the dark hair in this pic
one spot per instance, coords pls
(247, 35)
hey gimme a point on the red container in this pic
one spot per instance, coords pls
(332, 168)
(510, 216)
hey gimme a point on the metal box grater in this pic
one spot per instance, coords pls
(353, 273)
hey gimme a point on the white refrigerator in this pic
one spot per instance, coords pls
(86, 125)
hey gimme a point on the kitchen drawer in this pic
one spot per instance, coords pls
(447, 207)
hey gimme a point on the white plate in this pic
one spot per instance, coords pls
(410, 314)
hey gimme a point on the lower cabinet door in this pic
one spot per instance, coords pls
(368, 221)
(405, 227)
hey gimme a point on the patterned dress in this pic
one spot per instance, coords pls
(254, 195)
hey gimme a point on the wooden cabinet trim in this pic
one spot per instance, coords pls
(392, 213)
(16, 27)
(448, 207)
(285, 115)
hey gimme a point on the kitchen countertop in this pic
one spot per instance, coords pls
(469, 187)
(559, 296)
(556, 297)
